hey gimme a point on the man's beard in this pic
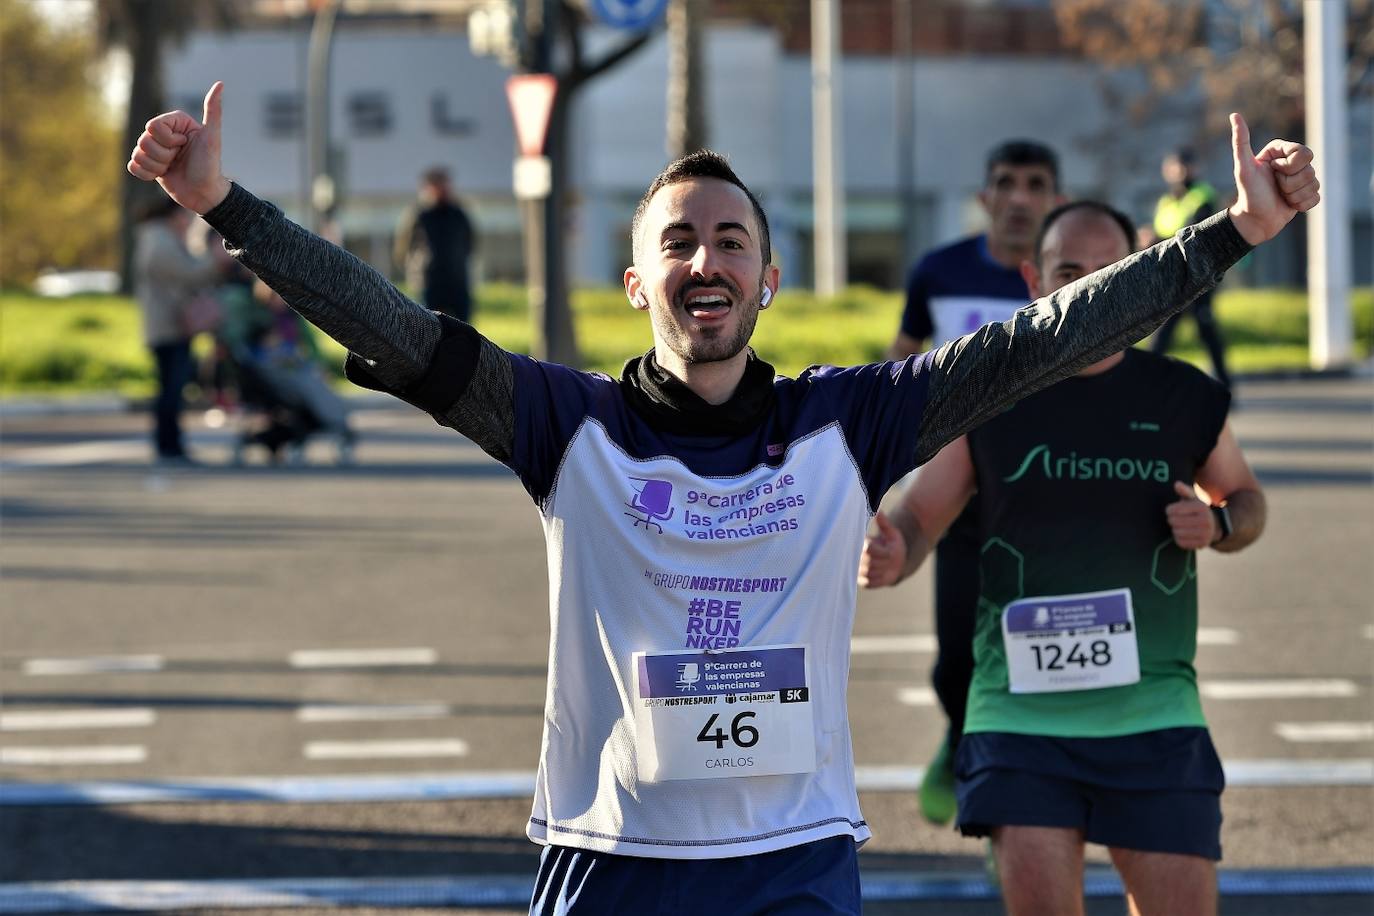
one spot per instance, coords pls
(718, 344)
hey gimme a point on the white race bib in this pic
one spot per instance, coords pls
(1071, 642)
(719, 714)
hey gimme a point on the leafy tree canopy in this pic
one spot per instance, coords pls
(60, 164)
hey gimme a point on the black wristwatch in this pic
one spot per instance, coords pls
(1223, 519)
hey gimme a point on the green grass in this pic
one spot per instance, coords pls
(94, 344)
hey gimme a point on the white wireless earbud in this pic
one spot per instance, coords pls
(643, 300)
(766, 298)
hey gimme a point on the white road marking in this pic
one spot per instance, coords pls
(1369, 631)
(372, 750)
(99, 664)
(925, 642)
(77, 453)
(75, 718)
(1217, 636)
(520, 784)
(72, 756)
(374, 712)
(1313, 732)
(362, 658)
(877, 645)
(1279, 689)
(916, 696)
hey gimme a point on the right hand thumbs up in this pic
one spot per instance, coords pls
(183, 155)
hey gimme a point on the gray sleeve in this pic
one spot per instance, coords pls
(332, 289)
(979, 375)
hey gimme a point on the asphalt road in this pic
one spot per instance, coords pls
(216, 590)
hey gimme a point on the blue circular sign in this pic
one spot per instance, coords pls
(636, 15)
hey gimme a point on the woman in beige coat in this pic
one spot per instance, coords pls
(167, 276)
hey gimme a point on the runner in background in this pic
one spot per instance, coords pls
(954, 290)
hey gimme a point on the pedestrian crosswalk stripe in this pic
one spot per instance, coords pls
(52, 719)
(916, 696)
(1317, 732)
(370, 712)
(488, 784)
(372, 750)
(96, 664)
(876, 645)
(71, 756)
(1278, 689)
(362, 658)
(926, 642)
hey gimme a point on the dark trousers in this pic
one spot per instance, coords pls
(956, 607)
(173, 372)
(453, 299)
(1207, 331)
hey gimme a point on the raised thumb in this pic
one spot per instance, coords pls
(1240, 141)
(213, 108)
(1184, 491)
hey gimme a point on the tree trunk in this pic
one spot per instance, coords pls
(144, 19)
(686, 111)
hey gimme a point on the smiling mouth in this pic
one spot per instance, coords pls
(708, 307)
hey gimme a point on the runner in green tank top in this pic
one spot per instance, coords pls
(1084, 722)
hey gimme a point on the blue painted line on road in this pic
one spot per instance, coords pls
(515, 890)
(520, 784)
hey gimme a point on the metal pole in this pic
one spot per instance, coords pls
(905, 127)
(1328, 236)
(831, 269)
(321, 190)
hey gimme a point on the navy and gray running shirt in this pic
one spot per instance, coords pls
(706, 544)
(957, 289)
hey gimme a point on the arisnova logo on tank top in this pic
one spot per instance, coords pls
(1074, 466)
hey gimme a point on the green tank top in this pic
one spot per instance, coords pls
(1072, 486)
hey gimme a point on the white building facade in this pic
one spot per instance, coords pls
(405, 99)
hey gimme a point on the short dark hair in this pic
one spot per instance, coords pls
(1185, 155)
(701, 164)
(1023, 152)
(1107, 210)
(435, 175)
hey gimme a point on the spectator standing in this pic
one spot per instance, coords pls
(1188, 200)
(434, 242)
(167, 279)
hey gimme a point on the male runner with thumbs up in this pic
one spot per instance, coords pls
(1084, 722)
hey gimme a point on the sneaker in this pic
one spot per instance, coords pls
(990, 869)
(936, 797)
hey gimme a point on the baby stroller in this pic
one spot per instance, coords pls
(285, 398)
(269, 417)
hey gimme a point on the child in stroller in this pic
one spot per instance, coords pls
(285, 395)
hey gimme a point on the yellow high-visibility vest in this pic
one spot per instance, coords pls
(1173, 213)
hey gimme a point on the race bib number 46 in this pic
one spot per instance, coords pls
(1071, 642)
(713, 715)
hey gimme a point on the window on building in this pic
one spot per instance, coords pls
(445, 122)
(369, 113)
(282, 114)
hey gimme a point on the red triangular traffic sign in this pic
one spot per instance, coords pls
(531, 101)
